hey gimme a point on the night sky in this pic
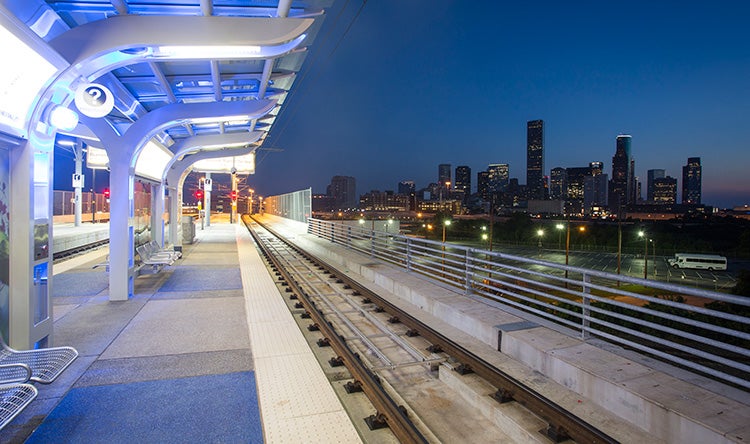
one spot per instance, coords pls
(417, 83)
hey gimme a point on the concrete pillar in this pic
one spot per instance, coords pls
(157, 213)
(121, 231)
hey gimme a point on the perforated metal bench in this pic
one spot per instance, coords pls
(15, 393)
(45, 364)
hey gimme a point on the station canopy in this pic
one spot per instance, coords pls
(220, 69)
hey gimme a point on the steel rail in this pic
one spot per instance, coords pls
(561, 423)
(387, 409)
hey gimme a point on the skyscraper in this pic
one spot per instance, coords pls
(483, 185)
(621, 187)
(665, 190)
(557, 183)
(444, 174)
(463, 180)
(498, 174)
(535, 159)
(343, 190)
(691, 181)
(406, 187)
(652, 175)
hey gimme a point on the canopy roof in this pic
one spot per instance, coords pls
(208, 69)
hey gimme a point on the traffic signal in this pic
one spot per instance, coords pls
(106, 193)
(233, 194)
(199, 194)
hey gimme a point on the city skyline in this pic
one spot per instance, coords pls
(410, 86)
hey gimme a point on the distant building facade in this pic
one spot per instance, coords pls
(558, 183)
(463, 180)
(622, 186)
(535, 159)
(444, 174)
(665, 191)
(483, 185)
(691, 181)
(652, 175)
(384, 201)
(498, 174)
(343, 190)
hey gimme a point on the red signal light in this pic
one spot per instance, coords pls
(233, 194)
(199, 194)
(106, 193)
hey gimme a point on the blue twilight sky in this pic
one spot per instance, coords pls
(417, 83)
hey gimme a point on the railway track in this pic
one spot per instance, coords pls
(374, 338)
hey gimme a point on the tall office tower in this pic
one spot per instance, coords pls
(535, 159)
(483, 185)
(463, 180)
(406, 187)
(597, 168)
(444, 174)
(691, 181)
(595, 192)
(557, 183)
(665, 190)
(651, 175)
(621, 189)
(343, 190)
(498, 176)
(576, 179)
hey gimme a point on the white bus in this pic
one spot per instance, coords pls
(699, 261)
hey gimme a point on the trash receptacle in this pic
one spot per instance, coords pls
(188, 229)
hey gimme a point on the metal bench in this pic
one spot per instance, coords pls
(46, 364)
(155, 262)
(15, 393)
(153, 248)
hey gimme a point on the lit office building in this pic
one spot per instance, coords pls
(463, 180)
(558, 183)
(652, 175)
(665, 190)
(535, 159)
(691, 181)
(621, 186)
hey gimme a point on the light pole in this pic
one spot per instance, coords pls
(540, 233)
(446, 223)
(645, 253)
(250, 208)
(559, 228)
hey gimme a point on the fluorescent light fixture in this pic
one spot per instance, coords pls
(217, 119)
(152, 161)
(242, 164)
(63, 118)
(23, 75)
(207, 52)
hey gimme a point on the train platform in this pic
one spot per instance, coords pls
(205, 351)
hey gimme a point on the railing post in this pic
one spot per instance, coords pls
(372, 243)
(348, 237)
(585, 312)
(467, 272)
(408, 254)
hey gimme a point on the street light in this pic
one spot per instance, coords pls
(645, 253)
(540, 233)
(445, 224)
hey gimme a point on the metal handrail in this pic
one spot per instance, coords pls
(705, 340)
